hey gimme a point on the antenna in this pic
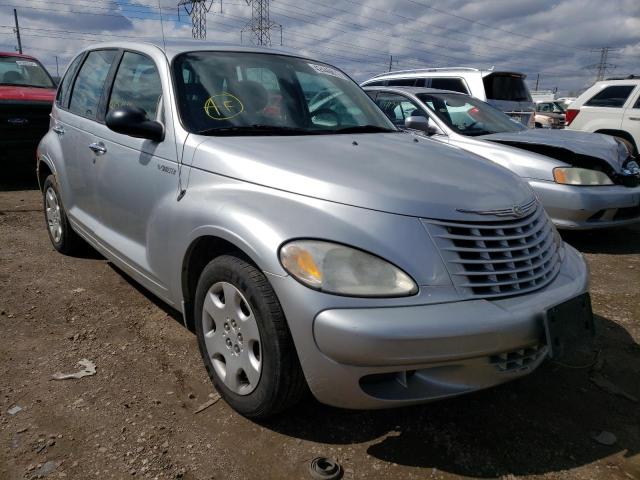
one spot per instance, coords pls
(260, 25)
(197, 10)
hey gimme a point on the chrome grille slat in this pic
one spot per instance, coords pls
(498, 258)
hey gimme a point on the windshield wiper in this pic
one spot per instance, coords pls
(363, 129)
(256, 129)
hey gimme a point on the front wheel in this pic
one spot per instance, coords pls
(244, 339)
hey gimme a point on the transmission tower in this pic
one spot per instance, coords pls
(260, 25)
(602, 67)
(197, 10)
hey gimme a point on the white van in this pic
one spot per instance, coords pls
(507, 91)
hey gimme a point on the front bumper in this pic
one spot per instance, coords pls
(384, 356)
(585, 208)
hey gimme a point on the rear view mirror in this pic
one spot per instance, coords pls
(420, 123)
(133, 121)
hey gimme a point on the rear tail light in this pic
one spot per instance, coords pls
(570, 115)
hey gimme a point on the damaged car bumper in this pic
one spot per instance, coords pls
(586, 207)
(383, 357)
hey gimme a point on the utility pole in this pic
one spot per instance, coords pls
(260, 25)
(197, 10)
(57, 69)
(390, 61)
(537, 81)
(17, 30)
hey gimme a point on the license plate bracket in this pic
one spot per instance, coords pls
(570, 330)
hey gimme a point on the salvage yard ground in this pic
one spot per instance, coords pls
(135, 417)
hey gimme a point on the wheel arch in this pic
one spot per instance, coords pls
(199, 253)
(44, 168)
(622, 134)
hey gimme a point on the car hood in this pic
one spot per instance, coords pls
(18, 93)
(565, 145)
(392, 172)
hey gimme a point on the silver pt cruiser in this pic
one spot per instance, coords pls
(315, 248)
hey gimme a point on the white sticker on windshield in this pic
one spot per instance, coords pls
(26, 63)
(327, 70)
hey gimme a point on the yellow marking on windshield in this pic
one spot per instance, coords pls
(223, 106)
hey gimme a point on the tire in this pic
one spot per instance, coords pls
(234, 304)
(62, 236)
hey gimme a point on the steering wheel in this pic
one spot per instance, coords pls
(326, 111)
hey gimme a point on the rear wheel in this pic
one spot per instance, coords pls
(62, 236)
(244, 339)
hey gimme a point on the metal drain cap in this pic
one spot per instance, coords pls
(323, 468)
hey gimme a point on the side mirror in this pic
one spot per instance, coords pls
(421, 123)
(133, 121)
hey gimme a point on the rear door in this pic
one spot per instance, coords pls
(79, 123)
(509, 93)
(631, 117)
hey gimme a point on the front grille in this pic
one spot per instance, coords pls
(23, 122)
(500, 258)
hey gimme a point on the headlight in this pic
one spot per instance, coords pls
(342, 270)
(580, 176)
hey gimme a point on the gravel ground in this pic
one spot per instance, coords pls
(135, 417)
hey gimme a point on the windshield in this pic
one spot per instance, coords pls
(24, 72)
(469, 116)
(239, 93)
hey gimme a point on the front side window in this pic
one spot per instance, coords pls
(614, 96)
(89, 84)
(137, 84)
(397, 108)
(66, 81)
(241, 93)
(24, 72)
(469, 116)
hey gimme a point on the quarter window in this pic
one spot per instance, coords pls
(87, 90)
(137, 84)
(66, 81)
(454, 84)
(614, 96)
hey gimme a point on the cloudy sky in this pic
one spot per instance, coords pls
(555, 39)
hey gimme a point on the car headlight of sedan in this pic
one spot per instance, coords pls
(341, 270)
(580, 176)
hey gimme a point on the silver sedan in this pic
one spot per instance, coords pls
(584, 180)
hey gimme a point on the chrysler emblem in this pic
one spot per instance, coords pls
(517, 210)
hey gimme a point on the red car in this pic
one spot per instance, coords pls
(27, 92)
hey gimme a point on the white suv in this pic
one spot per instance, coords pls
(611, 107)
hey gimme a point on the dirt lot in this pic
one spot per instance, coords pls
(135, 418)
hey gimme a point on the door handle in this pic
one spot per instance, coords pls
(98, 148)
(59, 129)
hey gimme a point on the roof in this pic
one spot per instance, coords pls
(18, 55)
(427, 70)
(175, 47)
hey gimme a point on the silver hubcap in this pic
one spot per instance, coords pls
(52, 212)
(232, 338)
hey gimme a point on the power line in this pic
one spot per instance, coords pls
(602, 67)
(197, 10)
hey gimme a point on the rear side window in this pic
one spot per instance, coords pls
(87, 90)
(402, 82)
(66, 81)
(614, 96)
(454, 84)
(137, 84)
(509, 87)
